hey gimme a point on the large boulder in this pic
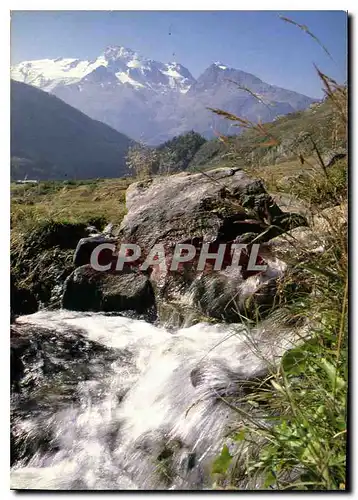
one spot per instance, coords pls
(89, 290)
(215, 207)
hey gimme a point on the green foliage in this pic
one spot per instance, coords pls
(306, 447)
(323, 189)
(292, 133)
(176, 154)
(47, 221)
(222, 462)
(172, 156)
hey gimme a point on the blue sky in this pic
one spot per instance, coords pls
(254, 41)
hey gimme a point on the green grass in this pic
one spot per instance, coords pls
(301, 443)
(47, 221)
(68, 201)
(293, 133)
(293, 430)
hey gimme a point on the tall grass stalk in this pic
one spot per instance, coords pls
(303, 401)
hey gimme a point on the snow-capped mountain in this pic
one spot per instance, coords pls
(117, 65)
(153, 101)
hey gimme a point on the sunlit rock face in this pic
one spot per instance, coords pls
(222, 207)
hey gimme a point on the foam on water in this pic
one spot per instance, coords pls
(155, 421)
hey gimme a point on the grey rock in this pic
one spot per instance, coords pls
(186, 206)
(220, 206)
(86, 246)
(89, 290)
(332, 156)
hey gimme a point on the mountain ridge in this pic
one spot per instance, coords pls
(52, 140)
(127, 66)
(154, 101)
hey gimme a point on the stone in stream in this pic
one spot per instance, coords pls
(86, 246)
(46, 368)
(89, 290)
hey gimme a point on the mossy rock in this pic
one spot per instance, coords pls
(41, 262)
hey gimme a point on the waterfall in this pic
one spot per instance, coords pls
(151, 417)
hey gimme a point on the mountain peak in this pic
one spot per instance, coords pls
(117, 51)
(220, 65)
(154, 100)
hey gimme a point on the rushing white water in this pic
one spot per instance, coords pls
(155, 420)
